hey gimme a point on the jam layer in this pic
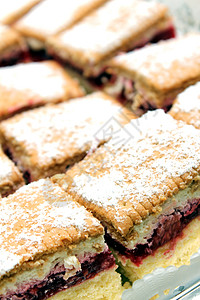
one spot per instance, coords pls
(169, 227)
(55, 282)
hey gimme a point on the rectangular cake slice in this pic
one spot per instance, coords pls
(47, 140)
(116, 26)
(187, 106)
(12, 46)
(33, 84)
(52, 248)
(10, 177)
(10, 10)
(37, 25)
(153, 76)
(145, 192)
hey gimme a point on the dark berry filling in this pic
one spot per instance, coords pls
(169, 227)
(55, 282)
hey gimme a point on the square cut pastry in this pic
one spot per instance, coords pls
(52, 248)
(153, 76)
(146, 192)
(187, 106)
(38, 24)
(116, 26)
(47, 140)
(33, 84)
(10, 177)
(12, 46)
(10, 10)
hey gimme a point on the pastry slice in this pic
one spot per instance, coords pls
(187, 106)
(12, 46)
(146, 193)
(153, 76)
(10, 177)
(116, 26)
(10, 10)
(51, 17)
(52, 248)
(33, 84)
(47, 140)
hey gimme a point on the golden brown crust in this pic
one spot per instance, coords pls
(11, 11)
(123, 184)
(163, 70)
(41, 219)
(48, 83)
(10, 177)
(136, 16)
(33, 25)
(46, 140)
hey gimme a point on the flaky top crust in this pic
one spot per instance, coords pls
(10, 39)
(122, 183)
(51, 135)
(40, 219)
(63, 13)
(163, 66)
(10, 177)
(187, 106)
(33, 84)
(109, 29)
(10, 10)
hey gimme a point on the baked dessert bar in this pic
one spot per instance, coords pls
(10, 10)
(116, 26)
(52, 248)
(47, 140)
(153, 76)
(24, 86)
(63, 13)
(12, 46)
(145, 192)
(187, 106)
(10, 177)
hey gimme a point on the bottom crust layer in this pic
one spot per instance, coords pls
(105, 286)
(176, 252)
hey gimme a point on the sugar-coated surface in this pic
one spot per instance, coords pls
(165, 64)
(126, 181)
(187, 106)
(30, 84)
(11, 8)
(63, 14)
(49, 135)
(38, 218)
(110, 26)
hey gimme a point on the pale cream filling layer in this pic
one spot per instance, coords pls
(145, 229)
(70, 258)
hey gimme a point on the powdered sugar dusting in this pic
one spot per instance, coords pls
(63, 14)
(167, 63)
(188, 100)
(52, 134)
(108, 27)
(160, 149)
(37, 219)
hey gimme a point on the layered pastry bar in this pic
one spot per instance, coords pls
(47, 140)
(153, 76)
(146, 193)
(63, 13)
(10, 177)
(116, 26)
(24, 86)
(12, 46)
(10, 10)
(187, 106)
(52, 248)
